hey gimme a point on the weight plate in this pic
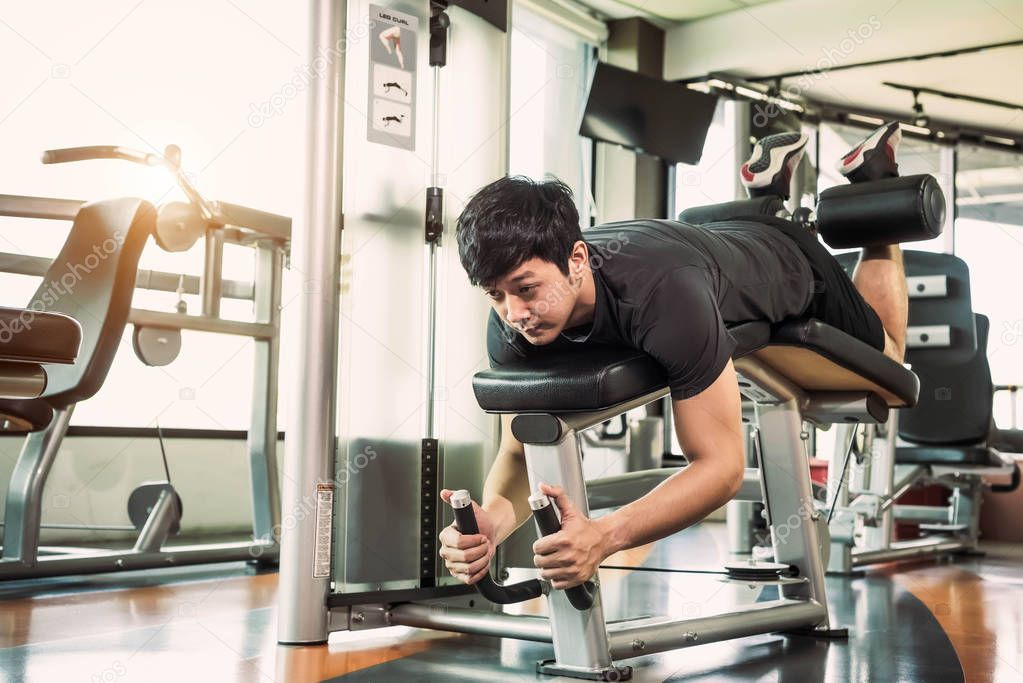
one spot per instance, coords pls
(156, 346)
(142, 500)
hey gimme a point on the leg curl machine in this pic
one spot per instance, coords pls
(798, 371)
(794, 372)
(802, 370)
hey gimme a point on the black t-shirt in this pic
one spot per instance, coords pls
(670, 288)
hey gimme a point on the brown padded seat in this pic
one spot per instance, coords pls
(818, 357)
(36, 337)
(811, 354)
(33, 338)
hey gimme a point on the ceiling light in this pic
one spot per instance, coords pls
(916, 129)
(872, 120)
(718, 83)
(749, 92)
(999, 140)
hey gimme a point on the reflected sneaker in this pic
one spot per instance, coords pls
(874, 158)
(769, 170)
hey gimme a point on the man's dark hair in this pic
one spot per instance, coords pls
(512, 220)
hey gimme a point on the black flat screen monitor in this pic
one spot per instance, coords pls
(661, 118)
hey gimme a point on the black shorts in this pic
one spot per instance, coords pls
(836, 301)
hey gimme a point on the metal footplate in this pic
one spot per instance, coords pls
(758, 571)
(550, 667)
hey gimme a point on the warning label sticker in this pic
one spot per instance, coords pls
(324, 529)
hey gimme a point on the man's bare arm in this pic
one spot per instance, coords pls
(506, 491)
(709, 429)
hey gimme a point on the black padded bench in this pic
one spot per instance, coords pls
(815, 357)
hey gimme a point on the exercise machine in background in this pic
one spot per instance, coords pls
(100, 300)
(947, 443)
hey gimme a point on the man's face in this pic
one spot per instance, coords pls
(536, 299)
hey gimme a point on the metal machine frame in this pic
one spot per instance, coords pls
(864, 495)
(269, 234)
(862, 528)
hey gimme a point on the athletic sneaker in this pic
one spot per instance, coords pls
(769, 170)
(874, 158)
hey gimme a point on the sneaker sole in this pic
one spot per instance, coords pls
(768, 159)
(884, 140)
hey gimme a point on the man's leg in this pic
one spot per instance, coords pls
(880, 276)
(881, 279)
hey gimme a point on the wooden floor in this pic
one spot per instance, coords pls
(218, 624)
(979, 603)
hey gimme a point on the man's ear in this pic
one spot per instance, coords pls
(579, 258)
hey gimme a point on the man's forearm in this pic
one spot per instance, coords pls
(506, 493)
(678, 502)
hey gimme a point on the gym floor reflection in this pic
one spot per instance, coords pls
(930, 621)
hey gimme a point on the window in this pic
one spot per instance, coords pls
(549, 77)
(989, 237)
(104, 79)
(714, 179)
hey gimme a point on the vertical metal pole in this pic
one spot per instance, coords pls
(23, 510)
(840, 559)
(262, 442)
(882, 480)
(435, 156)
(667, 410)
(212, 273)
(947, 163)
(309, 449)
(580, 638)
(785, 477)
(431, 259)
(1012, 407)
(740, 125)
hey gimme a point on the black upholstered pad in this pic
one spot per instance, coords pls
(890, 379)
(592, 378)
(749, 337)
(946, 455)
(33, 337)
(743, 208)
(1006, 440)
(597, 377)
(19, 416)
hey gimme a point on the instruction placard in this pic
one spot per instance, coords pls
(392, 78)
(324, 529)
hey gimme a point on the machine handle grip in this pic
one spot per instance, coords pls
(547, 522)
(1011, 486)
(68, 154)
(465, 520)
